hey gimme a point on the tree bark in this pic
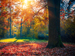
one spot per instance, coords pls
(21, 29)
(10, 20)
(54, 24)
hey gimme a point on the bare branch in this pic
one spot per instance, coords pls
(39, 10)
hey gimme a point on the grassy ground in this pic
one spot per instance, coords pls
(21, 40)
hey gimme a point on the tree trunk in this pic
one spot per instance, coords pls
(54, 24)
(10, 27)
(8, 30)
(21, 29)
(10, 20)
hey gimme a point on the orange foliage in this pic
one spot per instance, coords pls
(5, 28)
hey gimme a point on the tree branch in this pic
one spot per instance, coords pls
(39, 10)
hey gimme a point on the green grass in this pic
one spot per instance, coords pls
(21, 40)
(8, 40)
(36, 40)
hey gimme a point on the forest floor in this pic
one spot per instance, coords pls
(34, 49)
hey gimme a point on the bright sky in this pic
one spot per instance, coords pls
(73, 6)
(65, 4)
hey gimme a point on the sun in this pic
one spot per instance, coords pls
(26, 1)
